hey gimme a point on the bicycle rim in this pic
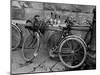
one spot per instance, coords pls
(70, 59)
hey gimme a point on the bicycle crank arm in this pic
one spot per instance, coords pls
(63, 53)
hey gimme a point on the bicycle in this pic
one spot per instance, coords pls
(71, 49)
(31, 44)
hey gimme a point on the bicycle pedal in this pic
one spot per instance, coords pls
(51, 54)
(35, 54)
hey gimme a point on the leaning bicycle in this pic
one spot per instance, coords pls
(31, 44)
(70, 49)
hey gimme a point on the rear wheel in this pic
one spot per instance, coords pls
(31, 46)
(72, 52)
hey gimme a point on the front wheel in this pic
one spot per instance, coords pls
(72, 51)
(31, 46)
(16, 37)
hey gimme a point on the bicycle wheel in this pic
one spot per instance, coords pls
(72, 51)
(16, 37)
(31, 46)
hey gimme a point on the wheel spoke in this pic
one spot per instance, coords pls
(67, 58)
(78, 47)
(80, 52)
(76, 50)
(75, 44)
(68, 44)
(72, 44)
(78, 56)
(66, 52)
(71, 60)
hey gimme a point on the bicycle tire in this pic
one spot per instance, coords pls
(29, 48)
(81, 43)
